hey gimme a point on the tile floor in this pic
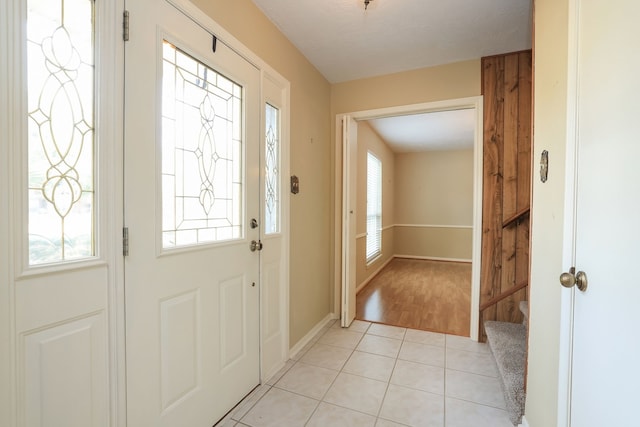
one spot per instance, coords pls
(379, 376)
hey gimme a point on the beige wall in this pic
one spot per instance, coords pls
(451, 81)
(368, 140)
(436, 242)
(550, 112)
(456, 80)
(428, 188)
(434, 188)
(311, 144)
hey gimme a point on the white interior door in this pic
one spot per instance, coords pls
(606, 343)
(191, 191)
(349, 174)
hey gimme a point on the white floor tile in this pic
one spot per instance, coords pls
(386, 423)
(379, 345)
(474, 388)
(463, 414)
(394, 332)
(422, 353)
(413, 407)
(349, 376)
(276, 377)
(297, 355)
(419, 376)
(357, 393)
(279, 408)
(469, 361)
(226, 422)
(328, 415)
(370, 365)
(341, 338)
(467, 344)
(308, 380)
(425, 337)
(355, 326)
(247, 403)
(327, 356)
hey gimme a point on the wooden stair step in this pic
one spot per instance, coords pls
(508, 343)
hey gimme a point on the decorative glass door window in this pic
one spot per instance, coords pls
(60, 93)
(272, 170)
(202, 152)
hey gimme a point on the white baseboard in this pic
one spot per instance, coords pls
(524, 422)
(293, 351)
(433, 258)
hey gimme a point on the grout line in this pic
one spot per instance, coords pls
(444, 386)
(445, 368)
(384, 396)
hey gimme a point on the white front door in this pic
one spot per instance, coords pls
(606, 343)
(349, 174)
(191, 190)
(58, 210)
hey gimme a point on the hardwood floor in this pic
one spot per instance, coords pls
(419, 294)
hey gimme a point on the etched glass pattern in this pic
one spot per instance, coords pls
(272, 170)
(202, 152)
(60, 92)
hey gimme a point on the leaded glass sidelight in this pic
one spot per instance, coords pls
(202, 152)
(272, 170)
(60, 92)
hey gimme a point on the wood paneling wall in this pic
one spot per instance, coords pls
(507, 91)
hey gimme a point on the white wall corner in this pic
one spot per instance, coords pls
(524, 422)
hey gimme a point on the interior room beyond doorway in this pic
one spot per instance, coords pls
(421, 278)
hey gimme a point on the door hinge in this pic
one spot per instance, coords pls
(125, 25)
(125, 241)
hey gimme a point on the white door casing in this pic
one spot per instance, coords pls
(192, 312)
(58, 327)
(349, 201)
(452, 104)
(604, 182)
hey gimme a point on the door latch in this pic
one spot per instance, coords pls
(255, 246)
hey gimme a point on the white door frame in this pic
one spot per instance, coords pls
(349, 178)
(474, 102)
(567, 299)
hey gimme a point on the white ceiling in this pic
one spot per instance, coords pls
(443, 130)
(345, 42)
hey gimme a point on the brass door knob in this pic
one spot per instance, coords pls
(255, 246)
(572, 278)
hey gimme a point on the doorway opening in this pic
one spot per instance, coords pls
(441, 233)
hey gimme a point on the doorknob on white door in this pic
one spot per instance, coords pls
(572, 278)
(255, 246)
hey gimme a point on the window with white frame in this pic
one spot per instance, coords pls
(374, 207)
(61, 155)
